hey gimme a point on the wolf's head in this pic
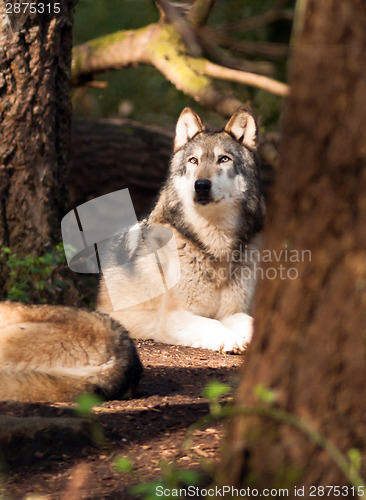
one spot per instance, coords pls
(214, 168)
(214, 176)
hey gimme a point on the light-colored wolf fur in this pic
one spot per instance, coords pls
(208, 306)
(51, 353)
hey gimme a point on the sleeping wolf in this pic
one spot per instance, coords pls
(50, 353)
(212, 203)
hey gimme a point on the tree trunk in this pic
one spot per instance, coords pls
(310, 344)
(35, 110)
(107, 155)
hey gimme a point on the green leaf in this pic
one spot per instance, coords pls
(16, 294)
(85, 403)
(354, 456)
(187, 477)
(48, 258)
(123, 464)
(215, 389)
(264, 394)
(147, 490)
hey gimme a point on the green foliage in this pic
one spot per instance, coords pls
(32, 278)
(355, 459)
(264, 394)
(147, 490)
(95, 18)
(123, 465)
(86, 402)
(84, 405)
(213, 392)
(173, 478)
(268, 107)
(215, 389)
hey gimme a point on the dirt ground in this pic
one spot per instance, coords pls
(149, 430)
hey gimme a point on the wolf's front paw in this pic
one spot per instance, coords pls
(216, 337)
(241, 328)
(233, 343)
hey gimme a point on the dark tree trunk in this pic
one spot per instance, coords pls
(310, 342)
(107, 155)
(35, 112)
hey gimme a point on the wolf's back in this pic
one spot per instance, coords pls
(50, 353)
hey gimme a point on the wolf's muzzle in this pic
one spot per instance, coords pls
(202, 189)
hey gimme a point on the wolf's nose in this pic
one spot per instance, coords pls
(202, 186)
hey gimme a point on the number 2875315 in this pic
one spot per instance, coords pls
(33, 8)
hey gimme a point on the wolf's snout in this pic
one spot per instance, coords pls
(202, 188)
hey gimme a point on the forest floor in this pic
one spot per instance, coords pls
(149, 430)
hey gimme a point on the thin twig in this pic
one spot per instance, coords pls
(263, 82)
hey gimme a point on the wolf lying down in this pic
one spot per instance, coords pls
(54, 353)
(213, 205)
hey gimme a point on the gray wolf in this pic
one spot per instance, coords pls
(52, 353)
(212, 203)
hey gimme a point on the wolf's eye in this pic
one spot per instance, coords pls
(224, 159)
(193, 160)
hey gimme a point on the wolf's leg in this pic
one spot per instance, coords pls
(185, 328)
(241, 324)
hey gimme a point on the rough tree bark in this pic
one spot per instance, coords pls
(310, 343)
(35, 113)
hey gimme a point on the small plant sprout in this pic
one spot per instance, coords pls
(264, 394)
(123, 465)
(86, 402)
(213, 392)
(84, 406)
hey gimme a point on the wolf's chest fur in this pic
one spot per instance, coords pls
(212, 286)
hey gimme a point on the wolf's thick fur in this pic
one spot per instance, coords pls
(50, 353)
(213, 204)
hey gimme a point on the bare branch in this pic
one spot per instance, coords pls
(233, 75)
(158, 45)
(122, 48)
(161, 46)
(199, 12)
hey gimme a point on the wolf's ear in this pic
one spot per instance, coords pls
(243, 128)
(189, 124)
